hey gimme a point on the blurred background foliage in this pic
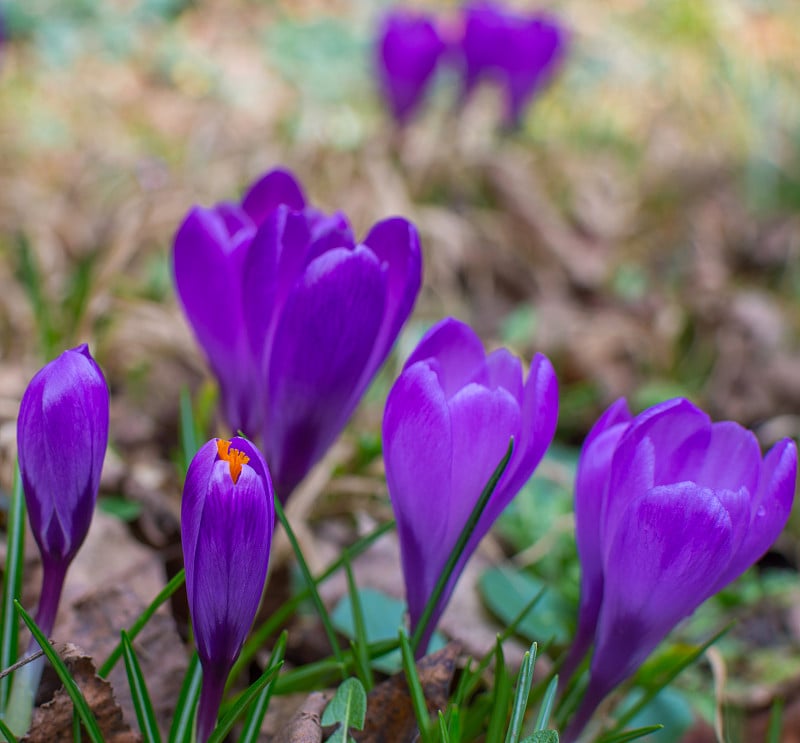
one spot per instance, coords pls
(642, 228)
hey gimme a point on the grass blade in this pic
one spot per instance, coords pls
(144, 618)
(455, 555)
(182, 730)
(311, 585)
(141, 699)
(546, 708)
(81, 707)
(520, 705)
(415, 689)
(255, 716)
(501, 699)
(242, 703)
(630, 735)
(363, 667)
(12, 585)
(5, 731)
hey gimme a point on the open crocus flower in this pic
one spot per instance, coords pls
(309, 317)
(62, 434)
(669, 509)
(447, 425)
(519, 52)
(227, 519)
(408, 51)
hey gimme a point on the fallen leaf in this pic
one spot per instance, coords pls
(390, 714)
(52, 721)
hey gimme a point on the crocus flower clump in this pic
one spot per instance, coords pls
(227, 519)
(447, 425)
(62, 434)
(309, 314)
(669, 509)
(488, 41)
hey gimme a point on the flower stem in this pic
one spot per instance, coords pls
(209, 704)
(22, 698)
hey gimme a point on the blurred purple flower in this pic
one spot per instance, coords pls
(447, 425)
(309, 316)
(408, 50)
(227, 519)
(62, 434)
(519, 52)
(669, 509)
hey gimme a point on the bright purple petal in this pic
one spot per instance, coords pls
(323, 339)
(208, 267)
(273, 189)
(62, 433)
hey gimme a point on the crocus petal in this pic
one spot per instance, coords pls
(666, 553)
(770, 509)
(230, 564)
(208, 267)
(409, 48)
(652, 452)
(418, 450)
(590, 489)
(459, 351)
(62, 433)
(195, 487)
(273, 189)
(539, 418)
(323, 339)
(395, 243)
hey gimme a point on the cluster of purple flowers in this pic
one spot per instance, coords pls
(670, 507)
(486, 41)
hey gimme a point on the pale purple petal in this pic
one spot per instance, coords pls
(770, 509)
(418, 450)
(666, 553)
(459, 351)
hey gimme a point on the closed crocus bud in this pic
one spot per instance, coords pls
(322, 312)
(519, 52)
(408, 50)
(447, 425)
(208, 259)
(227, 519)
(669, 509)
(62, 434)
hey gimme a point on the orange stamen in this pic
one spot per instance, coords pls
(234, 457)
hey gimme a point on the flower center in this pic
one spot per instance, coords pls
(234, 457)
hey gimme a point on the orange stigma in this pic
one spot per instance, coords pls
(234, 457)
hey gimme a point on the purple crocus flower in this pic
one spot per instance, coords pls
(669, 508)
(409, 48)
(227, 519)
(447, 425)
(519, 52)
(62, 434)
(310, 316)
